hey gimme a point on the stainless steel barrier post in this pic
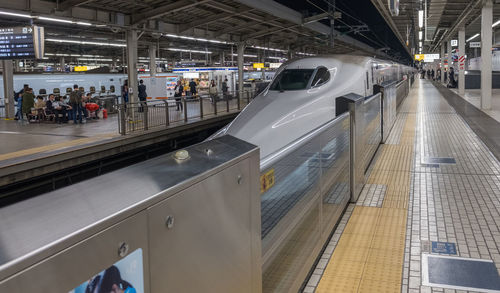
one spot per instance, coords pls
(227, 104)
(184, 101)
(215, 106)
(354, 104)
(239, 101)
(167, 117)
(145, 110)
(123, 124)
(201, 107)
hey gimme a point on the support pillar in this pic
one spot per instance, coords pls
(152, 60)
(486, 44)
(132, 65)
(442, 62)
(62, 63)
(241, 51)
(8, 88)
(449, 58)
(461, 60)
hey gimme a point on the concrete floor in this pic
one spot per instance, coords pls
(473, 96)
(16, 136)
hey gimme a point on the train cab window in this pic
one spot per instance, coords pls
(103, 89)
(292, 79)
(112, 88)
(321, 77)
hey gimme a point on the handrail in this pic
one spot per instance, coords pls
(270, 159)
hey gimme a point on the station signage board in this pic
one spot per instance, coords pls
(454, 43)
(475, 44)
(274, 65)
(426, 57)
(258, 65)
(24, 42)
(419, 57)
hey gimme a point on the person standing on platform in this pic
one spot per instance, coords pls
(192, 88)
(142, 95)
(225, 88)
(212, 91)
(432, 74)
(178, 95)
(125, 92)
(19, 99)
(28, 102)
(75, 100)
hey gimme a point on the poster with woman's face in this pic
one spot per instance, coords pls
(125, 276)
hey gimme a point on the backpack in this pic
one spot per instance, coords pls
(75, 97)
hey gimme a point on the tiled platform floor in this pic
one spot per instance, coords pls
(379, 249)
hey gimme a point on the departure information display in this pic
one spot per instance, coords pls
(21, 42)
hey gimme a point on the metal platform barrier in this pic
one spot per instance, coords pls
(143, 116)
(183, 223)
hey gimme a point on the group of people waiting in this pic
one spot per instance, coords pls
(75, 106)
(452, 82)
(212, 91)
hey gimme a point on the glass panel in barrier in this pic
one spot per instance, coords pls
(300, 186)
(372, 130)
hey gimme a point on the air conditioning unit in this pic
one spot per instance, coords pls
(393, 7)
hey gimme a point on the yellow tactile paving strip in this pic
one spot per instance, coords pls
(56, 146)
(370, 253)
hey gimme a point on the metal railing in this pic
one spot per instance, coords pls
(146, 115)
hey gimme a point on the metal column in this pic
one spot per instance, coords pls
(241, 51)
(132, 65)
(62, 62)
(8, 88)
(449, 58)
(461, 60)
(152, 60)
(486, 44)
(442, 62)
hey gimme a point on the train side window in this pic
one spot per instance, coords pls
(103, 89)
(92, 89)
(56, 91)
(81, 89)
(68, 90)
(112, 88)
(42, 92)
(321, 77)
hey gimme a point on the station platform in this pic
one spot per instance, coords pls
(473, 96)
(429, 218)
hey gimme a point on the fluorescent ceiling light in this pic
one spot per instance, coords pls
(83, 23)
(54, 19)
(420, 35)
(274, 57)
(496, 23)
(195, 39)
(420, 18)
(420, 43)
(15, 14)
(305, 54)
(190, 51)
(472, 38)
(247, 55)
(85, 42)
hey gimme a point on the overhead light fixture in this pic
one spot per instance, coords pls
(420, 35)
(189, 51)
(86, 42)
(247, 55)
(83, 23)
(472, 38)
(305, 54)
(275, 57)
(420, 44)
(54, 19)
(420, 18)
(195, 39)
(496, 23)
(15, 14)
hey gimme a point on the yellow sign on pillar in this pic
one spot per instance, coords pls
(419, 57)
(258, 65)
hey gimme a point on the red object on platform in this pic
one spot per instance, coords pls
(92, 106)
(104, 113)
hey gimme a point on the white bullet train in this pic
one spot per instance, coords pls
(302, 96)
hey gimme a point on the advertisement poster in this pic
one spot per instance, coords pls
(125, 276)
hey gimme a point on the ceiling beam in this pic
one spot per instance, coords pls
(165, 9)
(203, 21)
(270, 31)
(67, 4)
(382, 9)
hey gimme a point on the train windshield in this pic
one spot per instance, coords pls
(292, 79)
